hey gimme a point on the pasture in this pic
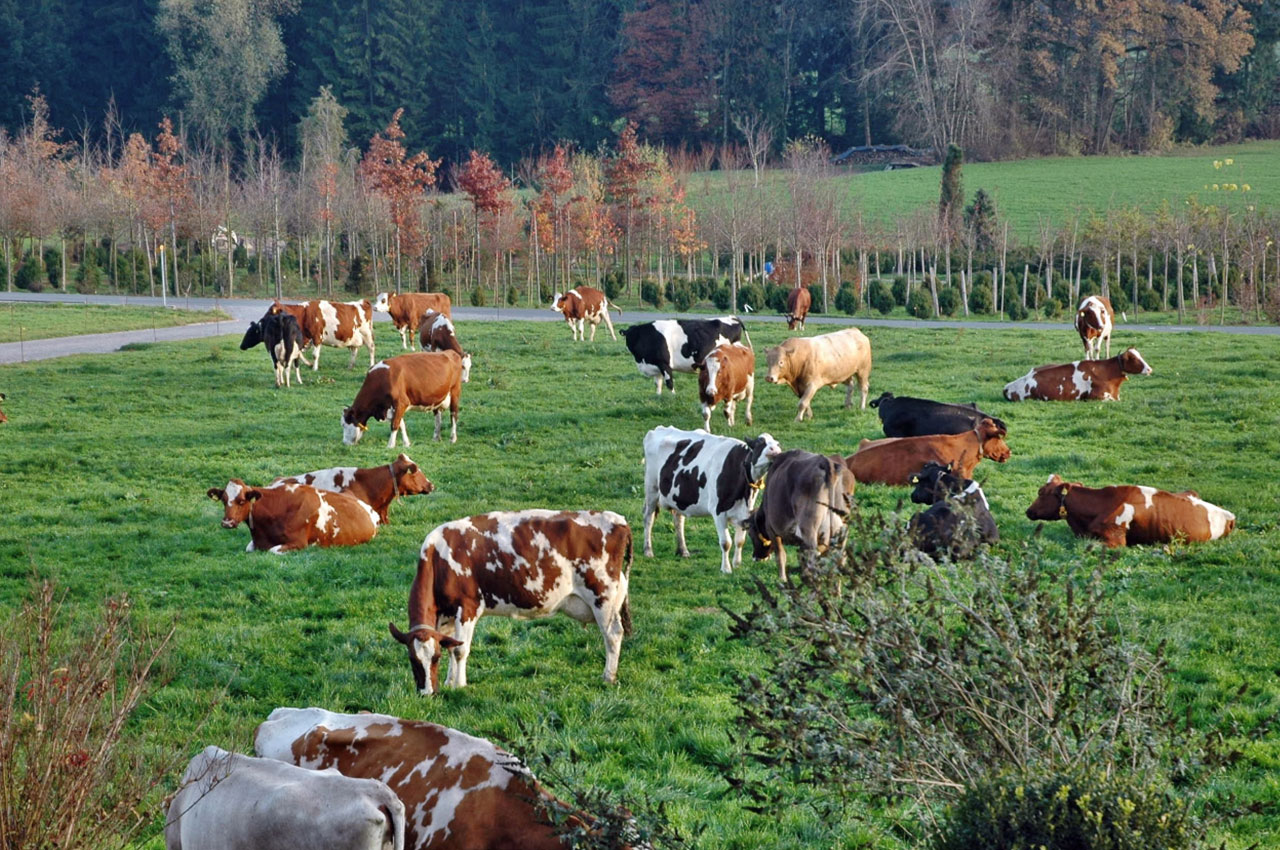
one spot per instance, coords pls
(45, 320)
(106, 461)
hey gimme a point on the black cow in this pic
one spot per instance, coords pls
(919, 417)
(959, 519)
(678, 345)
(282, 336)
(805, 504)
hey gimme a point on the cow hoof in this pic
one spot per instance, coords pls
(609, 680)
(648, 553)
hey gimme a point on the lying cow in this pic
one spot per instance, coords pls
(895, 460)
(585, 304)
(342, 325)
(525, 564)
(423, 381)
(799, 300)
(727, 375)
(805, 504)
(376, 486)
(916, 417)
(1130, 516)
(3, 418)
(1094, 321)
(229, 801)
(667, 346)
(958, 520)
(1083, 380)
(280, 334)
(407, 310)
(291, 517)
(693, 473)
(436, 333)
(809, 364)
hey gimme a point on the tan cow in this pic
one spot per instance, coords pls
(339, 324)
(809, 364)
(295, 516)
(585, 304)
(727, 375)
(407, 310)
(894, 460)
(428, 380)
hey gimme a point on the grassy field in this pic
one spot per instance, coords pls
(44, 320)
(106, 460)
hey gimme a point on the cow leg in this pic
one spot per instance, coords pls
(730, 407)
(403, 433)
(458, 655)
(315, 358)
(650, 513)
(609, 619)
(354, 353)
(864, 383)
(805, 398)
(681, 548)
(658, 381)
(453, 426)
(1112, 528)
(594, 325)
(404, 341)
(1108, 346)
(297, 370)
(279, 378)
(706, 416)
(608, 323)
(740, 538)
(726, 542)
(751, 395)
(780, 552)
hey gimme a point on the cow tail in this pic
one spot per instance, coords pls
(394, 835)
(625, 612)
(747, 335)
(615, 306)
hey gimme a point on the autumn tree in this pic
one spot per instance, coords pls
(400, 179)
(659, 81)
(624, 173)
(551, 208)
(323, 140)
(168, 179)
(486, 187)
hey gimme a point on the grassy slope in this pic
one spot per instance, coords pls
(45, 320)
(104, 489)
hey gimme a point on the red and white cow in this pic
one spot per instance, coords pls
(341, 325)
(585, 304)
(294, 516)
(436, 333)
(525, 564)
(407, 310)
(727, 375)
(799, 300)
(3, 418)
(376, 486)
(1094, 321)
(1129, 516)
(1083, 380)
(894, 460)
(428, 380)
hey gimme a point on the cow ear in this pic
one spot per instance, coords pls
(216, 494)
(447, 642)
(399, 635)
(252, 494)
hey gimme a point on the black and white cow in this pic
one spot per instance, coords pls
(282, 336)
(904, 416)
(958, 519)
(678, 345)
(693, 473)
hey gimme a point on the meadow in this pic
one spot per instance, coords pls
(48, 319)
(106, 460)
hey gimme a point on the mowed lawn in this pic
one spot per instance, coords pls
(31, 320)
(106, 459)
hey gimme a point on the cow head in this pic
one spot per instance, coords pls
(763, 449)
(425, 646)
(238, 499)
(1051, 501)
(383, 303)
(934, 483)
(275, 308)
(466, 368)
(992, 437)
(352, 428)
(1132, 363)
(761, 546)
(778, 372)
(875, 402)
(409, 478)
(556, 300)
(252, 336)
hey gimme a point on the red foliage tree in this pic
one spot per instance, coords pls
(401, 179)
(486, 186)
(660, 78)
(624, 174)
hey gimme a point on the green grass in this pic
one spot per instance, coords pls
(30, 320)
(106, 460)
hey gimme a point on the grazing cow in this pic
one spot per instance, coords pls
(809, 364)
(585, 304)
(408, 309)
(1094, 321)
(726, 375)
(895, 460)
(436, 333)
(280, 334)
(805, 503)
(295, 516)
(1083, 380)
(916, 417)
(1130, 516)
(693, 473)
(798, 302)
(3, 418)
(229, 801)
(376, 486)
(525, 564)
(341, 325)
(428, 380)
(958, 519)
(677, 345)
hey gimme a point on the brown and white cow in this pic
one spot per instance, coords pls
(376, 486)
(805, 503)
(798, 302)
(1083, 380)
(335, 323)
(1130, 516)
(407, 310)
(436, 333)
(895, 460)
(585, 304)
(525, 564)
(428, 380)
(3, 418)
(1094, 321)
(727, 375)
(294, 516)
(807, 364)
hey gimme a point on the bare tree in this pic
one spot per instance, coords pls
(758, 133)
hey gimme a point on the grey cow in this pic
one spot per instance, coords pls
(805, 504)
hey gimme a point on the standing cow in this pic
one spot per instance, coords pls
(436, 333)
(585, 304)
(805, 504)
(799, 300)
(1083, 380)
(727, 375)
(341, 325)
(1094, 321)
(407, 310)
(282, 337)
(809, 364)
(678, 345)
(424, 381)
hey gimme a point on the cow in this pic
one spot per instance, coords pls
(693, 474)
(428, 380)
(904, 416)
(958, 518)
(1130, 516)
(805, 504)
(376, 486)
(525, 564)
(895, 460)
(230, 801)
(667, 346)
(809, 364)
(341, 325)
(295, 516)
(585, 304)
(3, 418)
(1094, 321)
(798, 301)
(1083, 380)
(726, 375)
(407, 310)
(280, 335)
(436, 333)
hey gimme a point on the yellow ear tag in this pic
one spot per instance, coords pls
(363, 427)
(1062, 511)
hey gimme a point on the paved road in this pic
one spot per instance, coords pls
(246, 310)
